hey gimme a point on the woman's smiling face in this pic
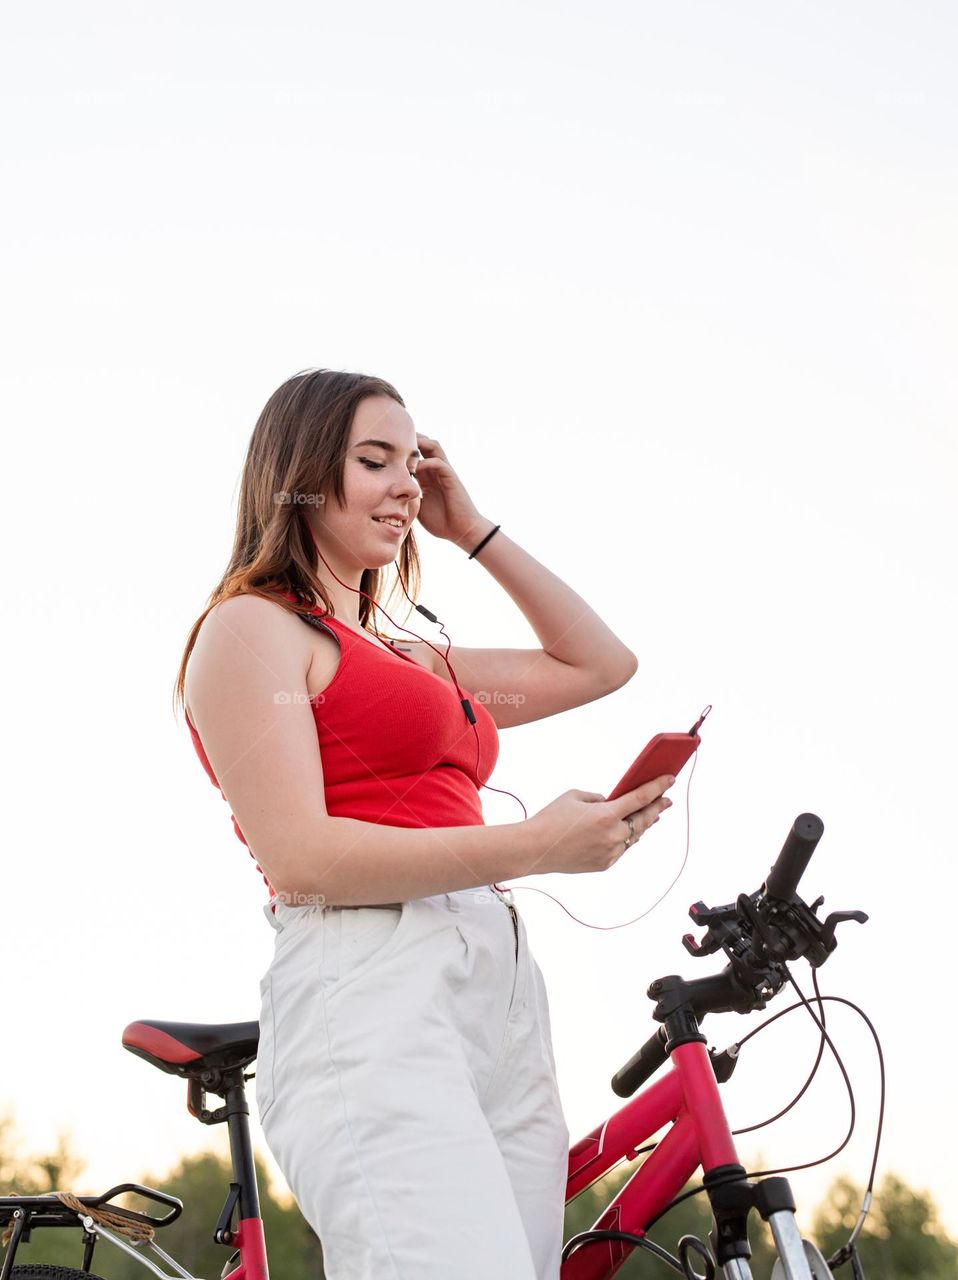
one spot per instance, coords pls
(378, 480)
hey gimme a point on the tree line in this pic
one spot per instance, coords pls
(903, 1238)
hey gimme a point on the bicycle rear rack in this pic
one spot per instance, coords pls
(25, 1213)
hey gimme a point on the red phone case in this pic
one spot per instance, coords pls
(665, 753)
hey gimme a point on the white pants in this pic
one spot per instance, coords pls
(406, 1088)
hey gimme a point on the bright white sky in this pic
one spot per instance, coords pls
(675, 288)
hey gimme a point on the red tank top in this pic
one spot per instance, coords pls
(395, 743)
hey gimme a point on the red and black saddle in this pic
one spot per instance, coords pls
(190, 1048)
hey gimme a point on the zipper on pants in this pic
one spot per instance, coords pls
(515, 925)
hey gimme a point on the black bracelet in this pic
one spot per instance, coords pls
(486, 539)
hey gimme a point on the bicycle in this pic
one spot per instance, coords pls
(212, 1058)
(760, 933)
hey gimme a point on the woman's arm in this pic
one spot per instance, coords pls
(352, 863)
(246, 686)
(581, 659)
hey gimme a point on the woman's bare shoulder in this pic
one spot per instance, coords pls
(247, 613)
(242, 628)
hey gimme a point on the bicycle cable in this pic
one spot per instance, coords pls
(802, 1002)
(751, 1128)
(848, 1251)
(761, 929)
(734, 1050)
(626, 1237)
(878, 1050)
(810, 1164)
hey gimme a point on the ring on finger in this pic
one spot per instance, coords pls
(632, 836)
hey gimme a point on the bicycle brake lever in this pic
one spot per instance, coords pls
(834, 920)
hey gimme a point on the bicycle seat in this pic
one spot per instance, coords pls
(186, 1048)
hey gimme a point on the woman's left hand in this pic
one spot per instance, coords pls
(446, 510)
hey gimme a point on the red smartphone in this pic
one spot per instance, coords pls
(666, 753)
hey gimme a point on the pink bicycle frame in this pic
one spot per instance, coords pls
(252, 1250)
(688, 1098)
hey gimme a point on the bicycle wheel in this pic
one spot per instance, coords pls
(39, 1271)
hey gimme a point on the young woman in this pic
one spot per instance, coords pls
(405, 1080)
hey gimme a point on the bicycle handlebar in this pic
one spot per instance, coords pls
(807, 830)
(717, 993)
(760, 934)
(641, 1065)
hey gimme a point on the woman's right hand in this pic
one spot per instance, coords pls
(582, 831)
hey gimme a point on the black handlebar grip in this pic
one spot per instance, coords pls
(807, 830)
(640, 1066)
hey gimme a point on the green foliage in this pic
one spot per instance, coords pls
(35, 1175)
(902, 1238)
(39, 1175)
(201, 1182)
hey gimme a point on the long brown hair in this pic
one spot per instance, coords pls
(296, 453)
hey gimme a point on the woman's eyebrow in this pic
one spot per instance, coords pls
(384, 444)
